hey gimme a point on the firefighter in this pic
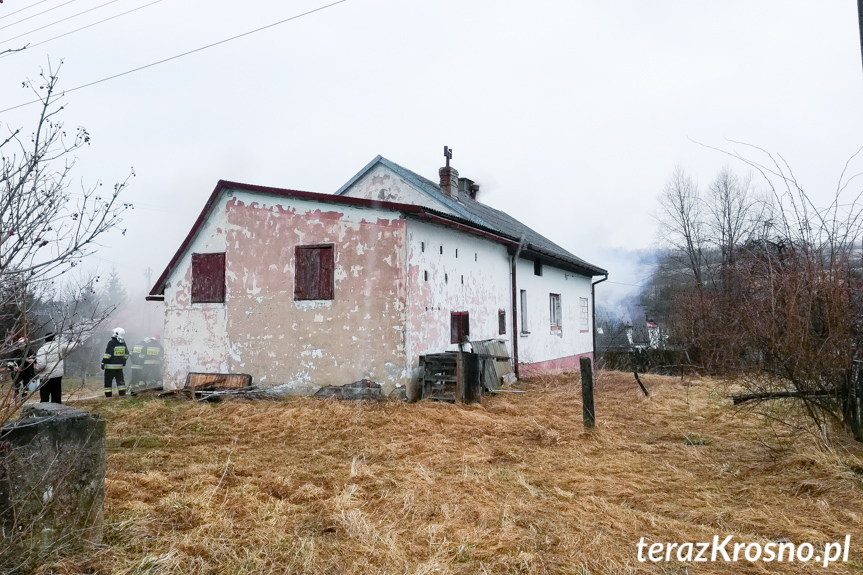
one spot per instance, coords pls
(153, 361)
(114, 360)
(136, 361)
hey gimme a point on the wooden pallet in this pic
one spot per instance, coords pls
(452, 376)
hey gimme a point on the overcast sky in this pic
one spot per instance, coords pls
(569, 114)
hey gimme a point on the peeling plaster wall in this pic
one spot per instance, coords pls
(384, 185)
(263, 331)
(196, 337)
(304, 345)
(477, 281)
(542, 344)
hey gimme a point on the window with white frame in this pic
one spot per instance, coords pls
(554, 311)
(583, 315)
(524, 329)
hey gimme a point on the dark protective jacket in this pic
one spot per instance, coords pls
(116, 354)
(138, 354)
(153, 353)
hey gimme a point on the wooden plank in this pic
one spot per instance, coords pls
(200, 381)
(460, 379)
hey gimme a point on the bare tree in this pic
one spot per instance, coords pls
(680, 214)
(734, 212)
(46, 227)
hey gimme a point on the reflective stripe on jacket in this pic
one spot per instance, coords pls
(153, 354)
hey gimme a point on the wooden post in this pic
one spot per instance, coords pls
(460, 377)
(857, 407)
(587, 411)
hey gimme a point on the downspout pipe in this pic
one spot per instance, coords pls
(593, 318)
(515, 336)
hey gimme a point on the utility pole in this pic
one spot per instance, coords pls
(860, 22)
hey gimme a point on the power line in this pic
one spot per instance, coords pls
(34, 15)
(57, 22)
(181, 55)
(22, 9)
(82, 27)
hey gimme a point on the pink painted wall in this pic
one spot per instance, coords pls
(306, 344)
(570, 363)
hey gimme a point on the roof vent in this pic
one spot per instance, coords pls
(468, 187)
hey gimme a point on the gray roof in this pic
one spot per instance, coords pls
(537, 246)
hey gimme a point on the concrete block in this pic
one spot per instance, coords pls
(52, 484)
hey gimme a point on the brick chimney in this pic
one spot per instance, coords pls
(448, 176)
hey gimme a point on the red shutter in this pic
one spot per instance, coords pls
(302, 281)
(454, 328)
(208, 278)
(325, 277)
(314, 272)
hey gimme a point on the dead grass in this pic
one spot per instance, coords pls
(514, 485)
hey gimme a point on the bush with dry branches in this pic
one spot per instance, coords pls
(780, 309)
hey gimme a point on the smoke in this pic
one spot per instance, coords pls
(139, 317)
(629, 272)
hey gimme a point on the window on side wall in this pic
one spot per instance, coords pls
(459, 327)
(583, 316)
(555, 313)
(524, 329)
(501, 321)
(314, 272)
(208, 278)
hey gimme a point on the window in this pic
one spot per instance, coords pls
(422, 246)
(459, 327)
(537, 268)
(524, 312)
(501, 321)
(208, 278)
(314, 272)
(583, 314)
(426, 275)
(554, 311)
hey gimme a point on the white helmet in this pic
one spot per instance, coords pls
(119, 333)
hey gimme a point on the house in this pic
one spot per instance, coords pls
(303, 290)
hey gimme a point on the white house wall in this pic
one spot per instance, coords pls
(475, 280)
(543, 346)
(196, 336)
(384, 185)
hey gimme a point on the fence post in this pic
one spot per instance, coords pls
(588, 414)
(857, 405)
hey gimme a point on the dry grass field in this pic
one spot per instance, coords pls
(514, 485)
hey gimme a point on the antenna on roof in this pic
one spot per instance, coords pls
(447, 153)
